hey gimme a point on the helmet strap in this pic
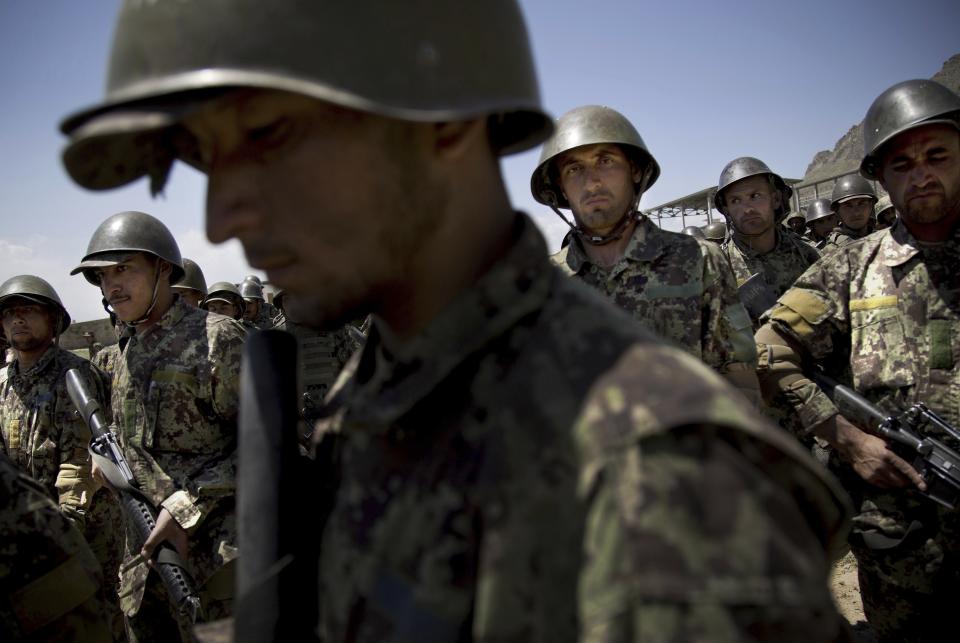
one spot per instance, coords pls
(601, 239)
(153, 302)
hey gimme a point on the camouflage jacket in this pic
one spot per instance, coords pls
(106, 358)
(790, 257)
(175, 397)
(842, 236)
(677, 287)
(534, 467)
(264, 320)
(884, 313)
(49, 580)
(42, 433)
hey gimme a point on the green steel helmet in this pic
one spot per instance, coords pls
(125, 233)
(253, 278)
(852, 186)
(819, 209)
(590, 125)
(882, 205)
(192, 278)
(224, 291)
(903, 107)
(693, 231)
(716, 231)
(745, 167)
(420, 61)
(37, 290)
(251, 290)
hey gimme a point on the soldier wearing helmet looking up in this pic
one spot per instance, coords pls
(821, 220)
(597, 165)
(192, 287)
(853, 200)
(886, 310)
(754, 200)
(174, 404)
(488, 481)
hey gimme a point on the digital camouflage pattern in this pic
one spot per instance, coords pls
(535, 467)
(677, 287)
(843, 236)
(41, 431)
(106, 358)
(175, 396)
(322, 355)
(264, 319)
(790, 257)
(885, 311)
(50, 582)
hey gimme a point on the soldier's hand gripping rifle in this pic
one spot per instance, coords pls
(937, 464)
(139, 512)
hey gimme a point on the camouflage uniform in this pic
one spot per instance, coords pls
(50, 583)
(679, 288)
(887, 311)
(532, 439)
(106, 358)
(175, 408)
(264, 320)
(842, 236)
(788, 259)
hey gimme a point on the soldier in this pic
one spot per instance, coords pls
(754, 199)
(51, 584)
(795, 221)
(886, 310)
(174, 405)
(40, 430)
(694, 231)
(884, 213)
(597, 165)
(192, 287)
(255, 312)
(225, 299)
(853, 199)
(514, 458)
(715, 232)
(821, 220)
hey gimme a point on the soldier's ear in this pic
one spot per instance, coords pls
(452, 139)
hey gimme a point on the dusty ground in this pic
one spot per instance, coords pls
(846, 593)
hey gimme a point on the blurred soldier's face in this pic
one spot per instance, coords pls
(797, 224)
(28, 326)
(251, 308)
(327, 201)
(222, 308)
(886, 218)
(750, 204)
(855, 213)
(598, 182)
(190, 296)
(129, 285)
(822, 227)
(921, 171)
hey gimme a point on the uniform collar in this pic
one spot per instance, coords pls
(153, 335)
(898, 246)
(39, 366)
(390, 376)
(780, 243)
(647, 242)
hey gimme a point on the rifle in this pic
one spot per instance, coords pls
(138, 510)
(937, 464)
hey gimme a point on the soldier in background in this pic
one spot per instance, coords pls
(886, 310)
(715, 232)
(795, 221)
(255, 312)
(225, 299)
(597, 165)
(514, 458)
(884, 213)
(765, 257)
(694, 231)
(267, 311)
(821, 220)
(174, 404)
(40, 429)
(853, 199)
(192, 287)
(51, 584)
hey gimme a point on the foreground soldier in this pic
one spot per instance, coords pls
(192, 287)
(887, 310)
(517, 460)
(51, 584)
(174, 411)
(821, 220)
(754, 199)
(853, 199)
(597, 165)
(39, 428)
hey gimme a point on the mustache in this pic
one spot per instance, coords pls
(593, 195)
(931, 188)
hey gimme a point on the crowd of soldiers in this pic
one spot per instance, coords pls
(621, 442)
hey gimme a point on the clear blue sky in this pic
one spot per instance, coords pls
(704, 82)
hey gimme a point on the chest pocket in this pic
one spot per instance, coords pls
(180, 413)
(672, 311)
(882, 356)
